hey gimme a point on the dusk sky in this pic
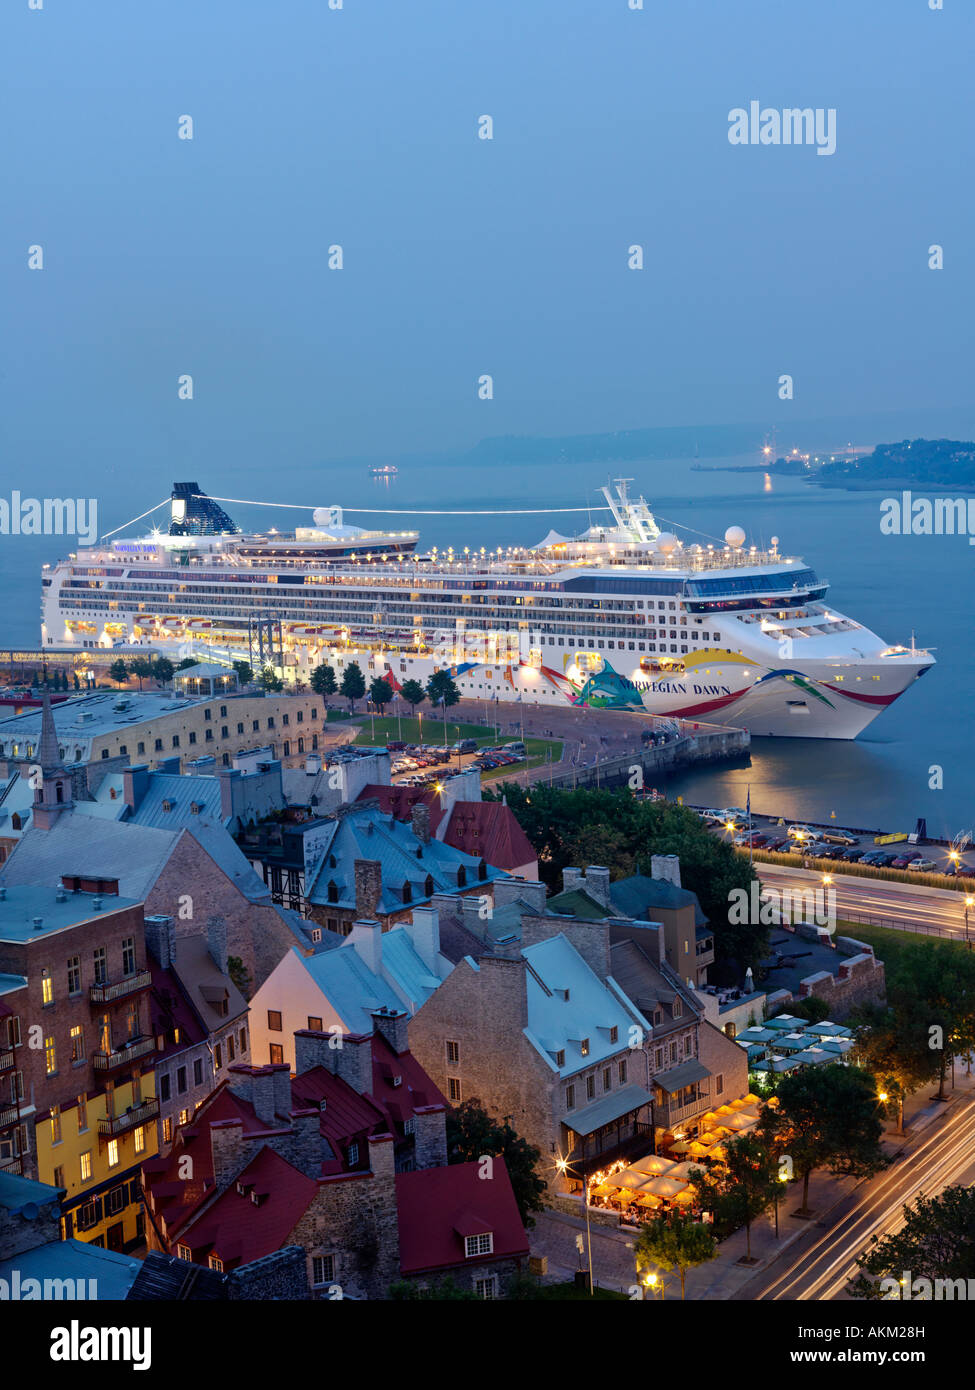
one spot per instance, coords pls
(464, 256)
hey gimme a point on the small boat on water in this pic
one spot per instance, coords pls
(388, 470)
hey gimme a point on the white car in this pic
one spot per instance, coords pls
(803, 833)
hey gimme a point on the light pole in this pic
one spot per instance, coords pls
(969, 902)
(420, 717)
(563, 1167)
(781, 1178)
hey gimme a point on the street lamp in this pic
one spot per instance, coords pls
(781, 1178)
(969, 902)
(655, 1284)
(563, 1167)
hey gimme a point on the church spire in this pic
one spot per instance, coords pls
(52, 790)
(49, 752)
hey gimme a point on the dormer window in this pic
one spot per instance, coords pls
(195, 808)
(167, 805)
(614, 1035)
(677, 1010)
(352, 1155)
(479, 1245)
(584, 1047)
(257, 1198)
(241, 1190)
(560, 1057)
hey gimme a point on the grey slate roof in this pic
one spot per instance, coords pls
(133, 854)
(634, 896)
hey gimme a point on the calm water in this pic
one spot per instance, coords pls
(892, 584)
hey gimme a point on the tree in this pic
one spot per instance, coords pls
(934, 981)
(743, 1188)
(270, 681)
(245, 672)
(77, 682)
(353, 685)
(380, 693)
(323, 679)
(936, 1241)
(675, 1241)
(239, 975)
(563, 826)
(118, 671)
(444, 1290)
(413, 693)
(473, 1134)
(894, 1045)
(812, 1009)
(827, 1117)
(186, 663)
(163, 670)
(441, 689)
(141, 668)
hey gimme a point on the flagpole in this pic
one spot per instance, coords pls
(748, 803)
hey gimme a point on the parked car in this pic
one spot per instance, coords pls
(853, 855)
(839, 837)
(516, 747)
(802, 833)
(925, 866)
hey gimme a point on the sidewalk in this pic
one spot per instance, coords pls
(613, 1261)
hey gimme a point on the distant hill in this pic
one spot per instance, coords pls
(947, 463)
(619, 446)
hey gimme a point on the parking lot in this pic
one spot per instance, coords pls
(832, 844)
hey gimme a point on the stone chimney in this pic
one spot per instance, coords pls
(161, 940)
(368, 886)
(304, 1148)
(666, 867)
(227, 1150)
(217, 941)
(425, 935)
(590, 939)
(420, 821)
(352, 1061)
(230, 778)
(393, 1027)
(430, 1137)
(531, 891)
(367, 940)
(571, 878)
(263, 1088)
(597, 884)
(313, 1049)
(135, 784)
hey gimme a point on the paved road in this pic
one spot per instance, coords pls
(900, 905)
(820, 1265)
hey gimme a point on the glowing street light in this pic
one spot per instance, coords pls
(563, 1167)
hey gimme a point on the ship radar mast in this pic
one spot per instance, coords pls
(634, 519)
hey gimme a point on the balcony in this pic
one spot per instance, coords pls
(122, 1056)
(106, 993)
(9, 1115)
(7, 1058)
(120, 1124)
(670, 1113)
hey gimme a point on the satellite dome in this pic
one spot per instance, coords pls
(775, 542)
(735, 537)
(323, 516)
(667, 543)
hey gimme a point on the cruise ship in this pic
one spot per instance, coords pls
(621, 616)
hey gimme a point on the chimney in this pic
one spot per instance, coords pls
(352, 1061)
(227, 1151)
(313, 1049)
(161, 940)
(229, 780)
(532, 891)
(368, 886)
(571, 878)
(169, 765)
(447, 906)
(217, 941)
(420, 821)
(392, 1024)
(367, 939)
(313, 764)
(259, 1086)
(425, 935)
(135, 784)
(597, 884)
(665, 867)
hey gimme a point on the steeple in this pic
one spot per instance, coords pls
(52, 792)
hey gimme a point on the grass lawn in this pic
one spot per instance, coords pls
(889, 943)
(432, 730)
(569, 1290)
(332, 714)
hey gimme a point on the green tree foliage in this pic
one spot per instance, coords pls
(472, 1133)
(895, 1046)
(118, 671)
(245, 672)
(353, 685)
(675, 1241)
(413, 693)
(570, 829)
(445, 1290)
(442, 688)
(323, 680)
(828, 1116)
(141, 668)
(812, 1009)
(742, 1188)
(163, 670)
(380, 692)
(186, 663)
(936, 1241)
(932, 987)
(239, 975)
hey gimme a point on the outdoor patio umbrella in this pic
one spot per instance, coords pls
(681, 1146)
(665, 1187)
(708, 1138)
(652, 1165)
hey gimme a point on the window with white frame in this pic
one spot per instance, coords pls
(479, 1245)
(453, 1053)
(486, 1288)
(322, 1270)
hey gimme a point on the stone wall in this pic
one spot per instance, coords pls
(282, 1275)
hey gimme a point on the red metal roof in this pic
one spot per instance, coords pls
(398, 801)
(437, 1207)
(238, 1230)
(489, 830)
(415, 1092)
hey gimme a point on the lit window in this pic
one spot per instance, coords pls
(140, 1139)
(216, 1263)
(113, 1153)
(55, 1124)
(86, 1167)
(50, 1057)
(184, 1252)
(47, 987)
(77, 1043)
(82, 1114)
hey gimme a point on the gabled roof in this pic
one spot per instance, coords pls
(437, 1207)
(398, 800)
(576, 902)
(238, 1230)
(180, 794)
(633, 896)
(347, 1117)
(415, 1092)
(110, 1274)
(569, 1006)
(171, 1280)
(352, 989)
(489, 830)
(133, 854)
